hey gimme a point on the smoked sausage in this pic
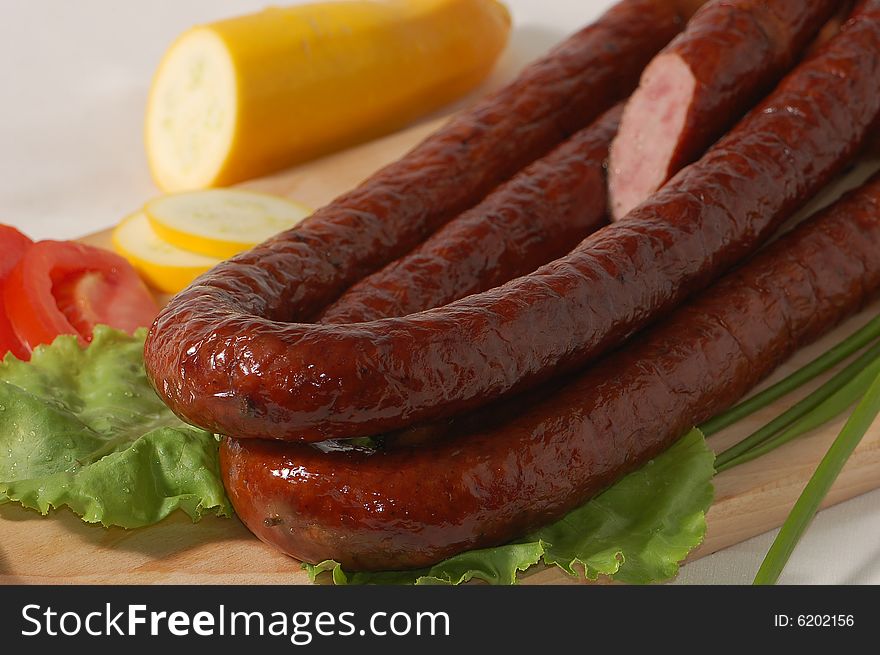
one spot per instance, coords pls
(731, 54)
(538, 215)
(224, 356)
(412, 507)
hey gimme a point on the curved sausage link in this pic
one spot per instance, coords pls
(731, 53)
(295, 275)
(412, 507)
(222, 357)
(538, 215)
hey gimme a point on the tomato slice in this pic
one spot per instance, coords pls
(13, 245)
(60, 287)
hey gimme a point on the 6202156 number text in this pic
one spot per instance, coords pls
(814, 620)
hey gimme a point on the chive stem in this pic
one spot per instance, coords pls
(832, 407)
(820, 483)
(799, 410)
(838, 353)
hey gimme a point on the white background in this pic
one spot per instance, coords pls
(73, 84)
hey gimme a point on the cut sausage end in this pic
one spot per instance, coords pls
(643, 154)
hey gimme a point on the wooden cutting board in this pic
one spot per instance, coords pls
(750, 500)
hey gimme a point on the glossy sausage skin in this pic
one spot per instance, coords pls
(412, 507)
(538, 215)
(292, 277)
(832, 27)
(222, 358)
(731, 54)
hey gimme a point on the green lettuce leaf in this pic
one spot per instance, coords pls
(638, 531)
(83, 428)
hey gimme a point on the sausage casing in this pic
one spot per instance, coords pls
(538, 215)
(731, 53)
(222, 356)
(412, 507)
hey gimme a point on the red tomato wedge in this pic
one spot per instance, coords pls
(13, 245)
(60, 287)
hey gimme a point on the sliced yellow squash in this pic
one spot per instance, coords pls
(163, 266)
(250, 95)
(221, 222)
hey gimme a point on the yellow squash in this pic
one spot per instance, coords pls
(250, 95)
(162, 265)
(221, 222)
